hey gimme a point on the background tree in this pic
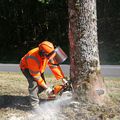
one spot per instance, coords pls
(25, 23)
(84, 55)
(108, 13)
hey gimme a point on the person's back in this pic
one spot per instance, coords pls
(32, 52)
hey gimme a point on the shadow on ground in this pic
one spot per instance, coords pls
(18, 102)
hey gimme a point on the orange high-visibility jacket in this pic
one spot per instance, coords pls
(37, 64)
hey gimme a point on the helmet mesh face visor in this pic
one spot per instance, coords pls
(59, 55)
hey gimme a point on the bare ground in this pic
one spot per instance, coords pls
(14, 103)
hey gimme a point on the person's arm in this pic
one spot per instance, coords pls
(56, 69)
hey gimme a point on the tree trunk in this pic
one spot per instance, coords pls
(84, 55)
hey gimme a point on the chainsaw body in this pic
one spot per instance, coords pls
(58, 90)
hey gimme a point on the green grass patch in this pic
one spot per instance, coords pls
(112, 82)
(14, 78)
(113, 87)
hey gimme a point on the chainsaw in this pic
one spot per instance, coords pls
(58, 90)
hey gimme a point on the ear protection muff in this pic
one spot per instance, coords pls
(42, 53)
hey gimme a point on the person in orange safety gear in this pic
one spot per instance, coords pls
(33, 66)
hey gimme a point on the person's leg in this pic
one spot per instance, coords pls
(33, 89)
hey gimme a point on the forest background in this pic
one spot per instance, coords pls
(25, 23)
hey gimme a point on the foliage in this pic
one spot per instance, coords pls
(108, 31)
(25, 23)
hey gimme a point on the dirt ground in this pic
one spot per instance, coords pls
(14, 103)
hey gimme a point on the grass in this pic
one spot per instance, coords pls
(12, 83)
(15, 84)
(112, 84)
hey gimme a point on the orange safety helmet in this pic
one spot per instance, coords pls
(47, 49)
(46, 46)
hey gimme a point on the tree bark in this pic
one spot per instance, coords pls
(85, 68)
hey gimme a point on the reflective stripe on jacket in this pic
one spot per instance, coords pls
(37, 64)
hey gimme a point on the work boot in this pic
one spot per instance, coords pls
(36, 109)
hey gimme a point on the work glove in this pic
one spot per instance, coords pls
(65, 82)
(49, 90)
(50, 93)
